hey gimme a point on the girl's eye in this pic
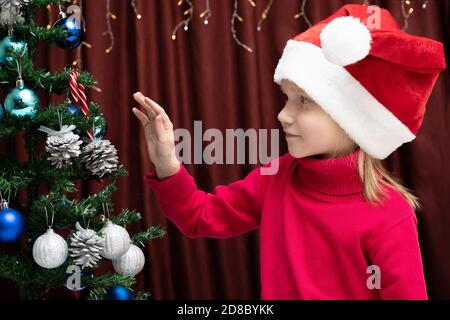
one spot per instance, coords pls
(304, 100)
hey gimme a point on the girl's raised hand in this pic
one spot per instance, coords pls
(158, 130)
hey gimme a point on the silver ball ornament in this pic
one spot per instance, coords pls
(50, 250)
(117, 241)
(131, 263)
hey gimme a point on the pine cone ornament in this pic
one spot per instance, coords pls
(86, 246)
(10, 11)
(100, 157)
(62, 145)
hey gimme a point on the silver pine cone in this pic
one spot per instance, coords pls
(62, 146)
(86, 246)
(100, 157)
(10, 11)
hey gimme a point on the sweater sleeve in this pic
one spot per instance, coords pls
(397, 253)
(226, 212)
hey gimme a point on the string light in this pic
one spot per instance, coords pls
(302, 14)
(407, 11)
(109, 16)
(206, 14)
(233, 29)
(50, 20)
(138, 15)
(264, 14)
(252, 3)
(78, 62)
(185, 22)
(406, 7)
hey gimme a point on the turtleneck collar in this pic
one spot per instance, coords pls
(332, 179)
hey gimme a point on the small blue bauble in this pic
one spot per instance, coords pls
(2, 112)
(12, 225)
(22, 103)
(101, 127)
(74, 31)
(118, 293)
(73, 110)
(9, 44)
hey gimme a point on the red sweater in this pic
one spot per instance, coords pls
(318, 235)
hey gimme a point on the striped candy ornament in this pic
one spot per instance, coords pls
(77, 91)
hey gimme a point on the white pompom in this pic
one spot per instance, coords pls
(345, 40)
(117, 241)
(131, 263)
(50, 250)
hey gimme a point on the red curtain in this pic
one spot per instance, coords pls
(204, 75)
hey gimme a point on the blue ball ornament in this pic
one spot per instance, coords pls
(22, 103)
(73, 110)
(12, 224)
(118, 293)
(101, 127)
(74, 31)
(9, 45)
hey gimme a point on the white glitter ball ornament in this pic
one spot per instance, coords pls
(117, 241)
(131, 263)
(50, 250)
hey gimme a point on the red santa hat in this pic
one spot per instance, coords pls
(372, 78)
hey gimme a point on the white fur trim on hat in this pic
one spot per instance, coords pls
(367, 122)
(345, 40)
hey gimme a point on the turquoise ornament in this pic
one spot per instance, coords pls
(22, 103)
(101, 127)
(8, 46)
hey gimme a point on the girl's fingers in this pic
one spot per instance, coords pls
(160, 132)
(145, 121)
(139, 97)
(141, 116)
(159, 110)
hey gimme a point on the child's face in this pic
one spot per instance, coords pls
(314, 131)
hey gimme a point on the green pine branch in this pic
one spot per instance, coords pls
(32, 33)
(56, 83)
(10, 268)
(148, 235)
(107, 280)
(37, 172)
(141, 295)
(126, 217)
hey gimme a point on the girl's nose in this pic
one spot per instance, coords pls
(285, 118)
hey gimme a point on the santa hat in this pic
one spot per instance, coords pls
(372, 78)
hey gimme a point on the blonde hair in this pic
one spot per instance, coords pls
(374, 176)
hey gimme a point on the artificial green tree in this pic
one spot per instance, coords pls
(48, 187)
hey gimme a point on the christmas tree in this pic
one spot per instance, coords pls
(64, 144)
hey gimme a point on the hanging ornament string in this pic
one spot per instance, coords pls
(46, 217)
(19, 70)
(5, 203)
(77, 91)
(106, 215)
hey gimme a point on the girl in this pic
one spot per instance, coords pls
(333, 223)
